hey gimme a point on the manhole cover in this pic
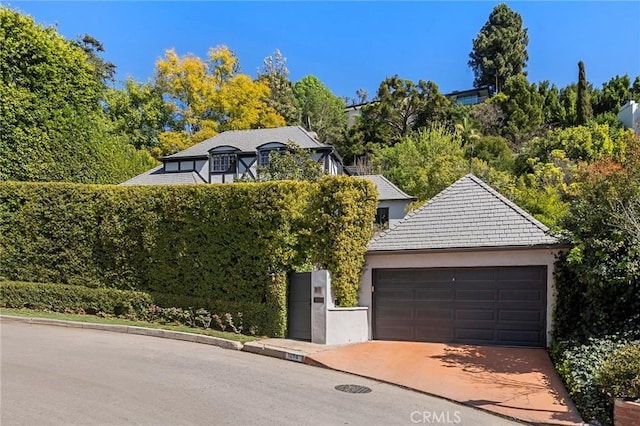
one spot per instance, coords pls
(353, 388)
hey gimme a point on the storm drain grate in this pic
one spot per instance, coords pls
(353, 389)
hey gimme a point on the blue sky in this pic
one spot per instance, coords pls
(355, 44)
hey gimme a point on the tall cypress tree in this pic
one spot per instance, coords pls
(583, 107)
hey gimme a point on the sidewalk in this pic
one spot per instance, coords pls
(291, 350)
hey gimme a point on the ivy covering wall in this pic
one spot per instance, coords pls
(228, 244)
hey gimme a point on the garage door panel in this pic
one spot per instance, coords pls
(395, 331)
(433, 333)
(475, 295)
(520, 315)
(520, 337)
(475, 274)
(434, 314)
(395, 312)
(433, 276)
(475, 334)
(517, 295)
(441, 293)
(395, 275)
(475, 314)
(521, 273)
(493, 305)
(395, 294)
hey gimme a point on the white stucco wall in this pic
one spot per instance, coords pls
(331, 325)
(629, 116)
(397, 210)
(347, 325)
(202, 167)
(514, 257)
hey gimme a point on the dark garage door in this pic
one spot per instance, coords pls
(492, 306)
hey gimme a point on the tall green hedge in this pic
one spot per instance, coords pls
(224, 243)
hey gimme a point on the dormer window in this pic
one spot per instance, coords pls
(263, 156)
(223, 163)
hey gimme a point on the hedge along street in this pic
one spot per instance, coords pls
(225, 245)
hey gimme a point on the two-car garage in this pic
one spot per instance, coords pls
(467, 267)
(488, 305)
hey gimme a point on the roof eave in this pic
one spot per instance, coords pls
(558, 246)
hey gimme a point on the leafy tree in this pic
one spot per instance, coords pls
(500, 49)
(493, 150)
(322, 111)
(584, 113)
(615, 93)
(351, 146)
(208, 97)
(581, 143)
(522, 106)
(553, 113)
(568, 99)
(138, 112)
(415, 164)
(104, 70)
(490, 118)
(400, 107)
(53, 126)
(294, 163)
(605, 259)
(282, 99)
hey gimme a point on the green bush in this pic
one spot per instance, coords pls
(229, 244)
(581, 365)
(72, 298)
(620, 374)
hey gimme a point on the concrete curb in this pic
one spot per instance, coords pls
(130, 329)
(260, 348)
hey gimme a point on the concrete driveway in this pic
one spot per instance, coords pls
(516, 382)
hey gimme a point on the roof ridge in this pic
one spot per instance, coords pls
(508, 203)
(396, 186)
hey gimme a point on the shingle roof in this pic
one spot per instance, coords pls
(387, 191)
(157, 176)
(468, 214)
(250, 140)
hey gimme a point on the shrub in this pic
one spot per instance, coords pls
(220, 243)
(620, 374)
(77, 299)
(580, 366)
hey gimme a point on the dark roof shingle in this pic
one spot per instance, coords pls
(157, 176)
(468, 214)
(250, 140)
(387, 191)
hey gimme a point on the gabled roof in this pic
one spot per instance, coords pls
(468, 214)
(250, 140)
(387, 191)
(157, 176)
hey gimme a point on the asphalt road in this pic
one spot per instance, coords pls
(70, 376)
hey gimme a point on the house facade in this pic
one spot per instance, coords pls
(234, 155)
(239, 154)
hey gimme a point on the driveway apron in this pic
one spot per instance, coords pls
(516, 382)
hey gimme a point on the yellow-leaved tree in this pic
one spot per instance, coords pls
(210, 96)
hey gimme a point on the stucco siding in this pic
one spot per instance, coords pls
(397, 209)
